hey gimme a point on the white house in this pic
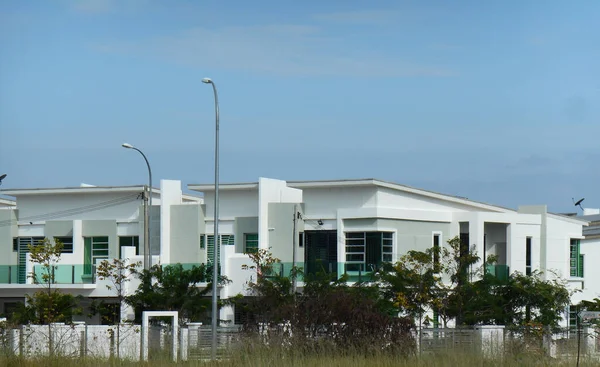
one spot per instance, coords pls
(339, 226)
(93, 223)
(350, 226)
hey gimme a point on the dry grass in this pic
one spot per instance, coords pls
(265, 358)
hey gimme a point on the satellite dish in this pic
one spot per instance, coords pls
(2, 176)
(578, 203)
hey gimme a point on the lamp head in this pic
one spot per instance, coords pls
(207, 80)
(126, 145)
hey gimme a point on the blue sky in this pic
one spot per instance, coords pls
(497, 101)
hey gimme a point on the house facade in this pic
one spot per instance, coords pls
(338, 226)
(94, 224)
(350, 226)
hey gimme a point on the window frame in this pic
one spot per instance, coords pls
(528, 255)
(355, 246)
(247, 240)
(575, 258)
(67, 242)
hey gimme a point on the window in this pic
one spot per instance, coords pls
(23, 249)
(250, 243)
(301, 239)
(67, 244)
(366, 250)
(226, 240)
(436, 253)
(129, 241)
(528, 256)
(15, 244)
(576, 259)
(95, 248)
(573, 316)
(202, 241)
(436, 319)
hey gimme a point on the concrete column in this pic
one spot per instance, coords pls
(492, 340)
(476, 232)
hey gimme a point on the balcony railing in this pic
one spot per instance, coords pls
(499, 271)
(355, 274)
(9, 274)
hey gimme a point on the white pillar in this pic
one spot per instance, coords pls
(492, 340)
(476, 232)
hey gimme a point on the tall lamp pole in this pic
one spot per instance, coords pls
(147, 209)
(216, 242)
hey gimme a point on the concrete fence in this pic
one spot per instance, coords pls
(193, 341)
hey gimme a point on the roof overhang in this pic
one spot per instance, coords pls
(355, 183)
(574, 220)
(224, 186)
(7, 202)
(76, 190)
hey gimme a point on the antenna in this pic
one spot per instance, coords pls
(578, 203)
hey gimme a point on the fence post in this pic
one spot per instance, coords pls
(21, 340)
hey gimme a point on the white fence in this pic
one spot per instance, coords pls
(101, 341)
(194, 341)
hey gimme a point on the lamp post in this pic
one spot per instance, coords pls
(216, 242)
(147, 209)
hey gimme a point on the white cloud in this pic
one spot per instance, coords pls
(298, 50)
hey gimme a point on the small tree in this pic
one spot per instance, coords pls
(118, 272)
(173, 288)
(412, 284)
(49, 305)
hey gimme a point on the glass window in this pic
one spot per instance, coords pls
(436, 252)
(528, 256)
(366, 250)
(95, 249)
(251, 243)
(67, 244)
(129, 241)
(576, 259)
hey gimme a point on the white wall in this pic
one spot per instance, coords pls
(272, 191)
(171, 195)
(591, 271)
(558, 240)
(232, 203)
(397, 199)
(323, 203)
(42, 206)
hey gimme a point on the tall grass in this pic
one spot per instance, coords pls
(253, 356)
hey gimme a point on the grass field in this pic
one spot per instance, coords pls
(265, 358)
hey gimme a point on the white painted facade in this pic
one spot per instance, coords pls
(413, 217)
(326, 212)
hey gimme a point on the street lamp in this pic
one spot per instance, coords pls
(216, 241)
(147, 208)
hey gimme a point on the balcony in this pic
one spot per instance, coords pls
(63, 274)
(501, 272)
(354, 273)
(9, 274)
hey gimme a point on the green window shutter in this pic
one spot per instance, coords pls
(227, 240)
(251, 243)
(87, 255)
(580, 268)
(210, 248)
(574, 258)
(202, 241)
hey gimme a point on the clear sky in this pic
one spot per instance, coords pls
(497, 101)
